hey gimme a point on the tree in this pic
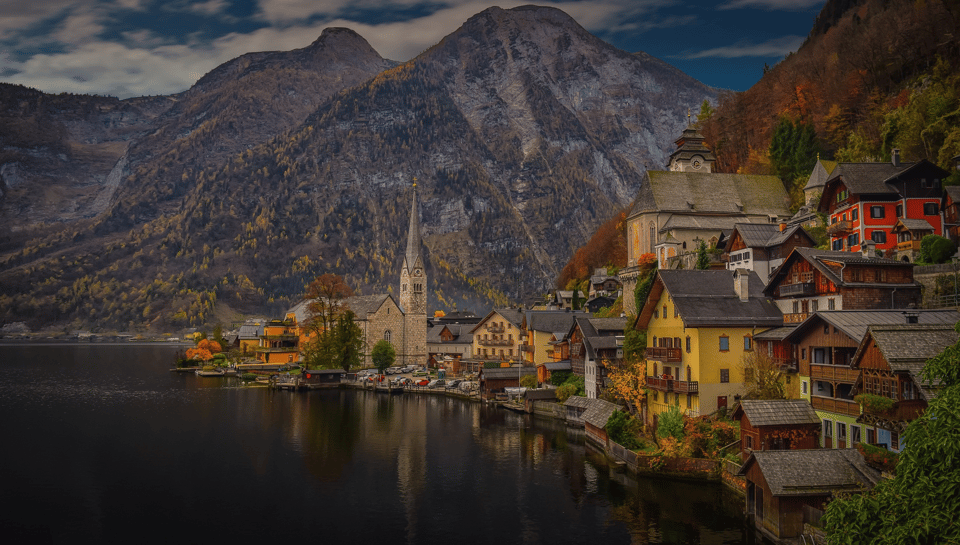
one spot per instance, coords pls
(383, 355)
(670, 424)
(762, 376)
(204, 350)
(935, 249)
(528, 381)
(627, 382)
(703, 259)
(920, 504)
(327, 295)
(348, 349)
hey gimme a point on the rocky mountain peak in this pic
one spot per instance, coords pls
(341, 41)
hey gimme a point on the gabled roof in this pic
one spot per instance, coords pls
(821, 171)
(551, 320)
(251, 329)
(461, 333)
(599, 412)
(708, 299)
(951, 192)
(907, 347)
(362, 305)
(777, 412)
(775, 333)
(854, 323)
(563, 365)
(826, 260)
(577, 401)
(512, 315)
(911, 224)
(700, 193)
(767, 235)
(813, 471)
(875, 179)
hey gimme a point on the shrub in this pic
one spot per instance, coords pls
(670, 424)
(936, 249)
(874, 403)
(564, 392)
(528, 381)
(624, 429)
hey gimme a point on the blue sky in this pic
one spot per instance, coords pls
(130, 48)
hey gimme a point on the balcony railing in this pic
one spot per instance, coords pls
(840, 228)
(833, 373)
(496, 342)
(656, 383)
(668, 355)
(902, 411)
(529, 348)
(834, 405)
(795, 318)
(671, 385)
(909, 245)
(802, 288)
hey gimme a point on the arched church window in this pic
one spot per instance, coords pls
(653, 236)
(387, 335)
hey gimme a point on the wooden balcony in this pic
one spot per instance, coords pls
(667, 355)
(908, 246)
(833, 373)
(802, 288)
(840, 228)
(657, 383)
(686, 386)
(795, 318)
(848, 407)
(902, 411)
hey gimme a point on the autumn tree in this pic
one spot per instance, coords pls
(327, 295)
(762, 376)
(627, 382)
(204, 350)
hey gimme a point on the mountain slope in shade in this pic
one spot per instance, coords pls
(524, 133)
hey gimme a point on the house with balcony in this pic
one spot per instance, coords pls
(603, 284)
(762, 247)
(449, 342)
(541, 328)
(498, 335)
(810, 280)
(865, 200)
(699, 325)
(889, 360)
(776, 424)
(279, 342)
(826, 344)
(599, 347)
(909, 233)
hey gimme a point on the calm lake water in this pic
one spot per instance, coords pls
(101, 443)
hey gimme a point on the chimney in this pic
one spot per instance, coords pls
(741, 285)
(895, 156)
(867, 249)
(783, 226)
(912, 317)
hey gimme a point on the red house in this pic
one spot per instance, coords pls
(865, 200)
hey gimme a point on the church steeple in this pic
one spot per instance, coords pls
(413, 279)
(412, 258)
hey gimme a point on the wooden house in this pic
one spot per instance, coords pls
(496, 380)
(762, 247)
(784, 485)
(776, 424)
(320, 378)
(890, 359)
(865, 200)
(909, 233)
(595, 420)
(811, 280)
(950, 205)
(575, 406)
(546, 370)
(827, 343)
(596, 344)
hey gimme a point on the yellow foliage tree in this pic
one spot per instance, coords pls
(627, 382)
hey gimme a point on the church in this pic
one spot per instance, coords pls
(402, 323)
(677, 208)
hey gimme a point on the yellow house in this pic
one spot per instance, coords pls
(279, 342)
(699, 325)
(542, 329)
(497, 336)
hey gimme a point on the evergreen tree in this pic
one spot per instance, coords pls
(703, 259)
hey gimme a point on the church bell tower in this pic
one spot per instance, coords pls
(413, 293)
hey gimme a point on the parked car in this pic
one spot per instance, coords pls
(423, 382)
(404, 381)
(453, 383)
(420, 372)
(467, 386)
(436, 383)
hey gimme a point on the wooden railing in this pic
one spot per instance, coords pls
(801, 288)
(844, 226)
(839, 406)
(833, 373)
(902, 411)
(668, 355)
(671, 385)
(908, 246)
(686, 387)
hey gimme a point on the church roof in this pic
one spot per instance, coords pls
(362, 305)
(413, 235)
(702, 193)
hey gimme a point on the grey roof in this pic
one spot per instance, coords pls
(461, 333)
(813, 471)
(775, 333)
(598, 412)
(821, 171)
(693, 222)
(603, 341)
(868, 178)
(707, 298)
(542, 393)
(301, 311)
(609, 324)
(821, 260)
(952, 191)
(551, 320)
(577, 401)
(907, 347)
(512, 315)
(710, 192)
(251, 329)
(778, 412)
(913, 224)
(854, 323)
(766, 235)
(361, 305)
(497, 373)
(563, 365)
(412, 257)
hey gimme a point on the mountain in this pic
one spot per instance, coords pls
(523, 131)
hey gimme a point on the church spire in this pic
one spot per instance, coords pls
(413, 235)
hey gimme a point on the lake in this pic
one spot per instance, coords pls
(103, 444)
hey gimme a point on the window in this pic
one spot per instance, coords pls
(724, 375)
(877, 212)
(855, 214)
(828, 428)
(689, 401)
(853, 240)
(656, 313)
(747, 343)
(880, 237)
(894, 440)
(386, 335)
(814, 305)
(831, 304)
(803, 354)
(724, 343)
(796, 307)
(676, 311)
(854, 434)
(899, 210)
(841, 431)
(838, 245)
(688, 344)
(750, 441)
(803, 387)
(664, 312)
(930, 209)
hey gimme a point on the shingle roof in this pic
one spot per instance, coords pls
(854, 323)
(707, 298)
(361, 305)
(496, 373)
(544, 393)
(822, 259)
(551, 320)
(711, 192)
(563, 365)
(907, 347)
(251, 330)
(778, 412)
(577, 401)
(912, 224)
(868, 178)
(691, 221)
(821, 171)
(608, 324)
(775, 333)
(598, 412)
(813, 472)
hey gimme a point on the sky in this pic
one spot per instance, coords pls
(128, 48)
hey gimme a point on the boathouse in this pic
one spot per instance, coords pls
(776, 424)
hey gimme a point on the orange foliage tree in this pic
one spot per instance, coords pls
(204, 350)
(607, 246)
(627, 382)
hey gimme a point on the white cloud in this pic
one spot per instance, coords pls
(778, 47)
